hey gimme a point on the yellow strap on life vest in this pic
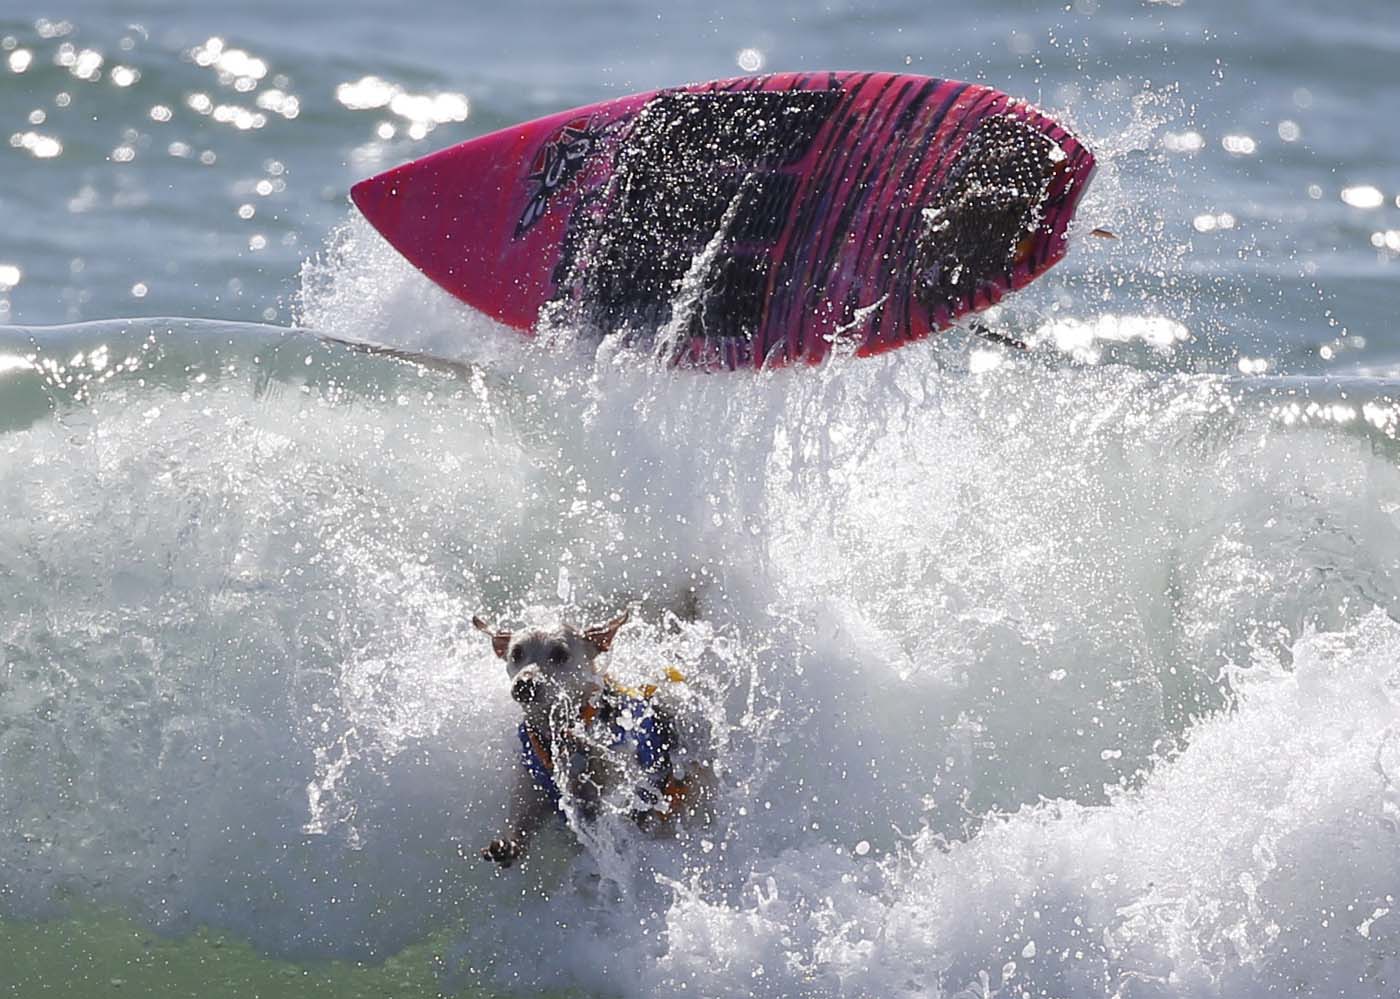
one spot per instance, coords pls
(621, 688)
(672, 674)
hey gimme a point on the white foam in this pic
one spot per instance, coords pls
(973, 621)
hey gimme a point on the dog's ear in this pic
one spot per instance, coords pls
(500, 640)
(600, 636)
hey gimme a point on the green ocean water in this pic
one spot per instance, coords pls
(98, 954)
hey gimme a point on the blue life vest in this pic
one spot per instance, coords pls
(649, 738)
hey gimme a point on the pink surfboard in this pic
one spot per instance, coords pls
(747, 222)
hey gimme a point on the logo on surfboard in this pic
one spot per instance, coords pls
(557, 162)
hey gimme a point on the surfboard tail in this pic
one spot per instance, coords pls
(1001, 216)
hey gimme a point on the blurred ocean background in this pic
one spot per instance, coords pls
(1072, 673)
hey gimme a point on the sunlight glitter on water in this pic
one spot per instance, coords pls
(1239, 145)
(38, 145)
(236, 68)
(1363, 196)
(1208, 222)
(14, 362)
(1189, 141)
(423, 112)
(1084, 339)
(1387, 240)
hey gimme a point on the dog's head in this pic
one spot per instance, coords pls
(549, 666)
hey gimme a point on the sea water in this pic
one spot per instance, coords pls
(1066, 673)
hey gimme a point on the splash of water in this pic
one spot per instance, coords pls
(976, 638)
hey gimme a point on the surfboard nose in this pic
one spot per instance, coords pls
(451, 214)
(419, 207)
(378, 200)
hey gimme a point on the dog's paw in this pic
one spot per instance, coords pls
(502, 851)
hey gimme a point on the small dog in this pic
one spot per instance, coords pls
(584, 737)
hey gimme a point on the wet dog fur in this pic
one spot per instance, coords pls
(553, 674)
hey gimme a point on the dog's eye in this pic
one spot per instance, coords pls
(517, 654)
(558, 656)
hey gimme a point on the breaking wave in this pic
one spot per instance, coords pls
(1029, 675)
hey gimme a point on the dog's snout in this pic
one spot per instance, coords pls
(527, 688)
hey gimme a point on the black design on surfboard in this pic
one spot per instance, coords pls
(690, 163)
